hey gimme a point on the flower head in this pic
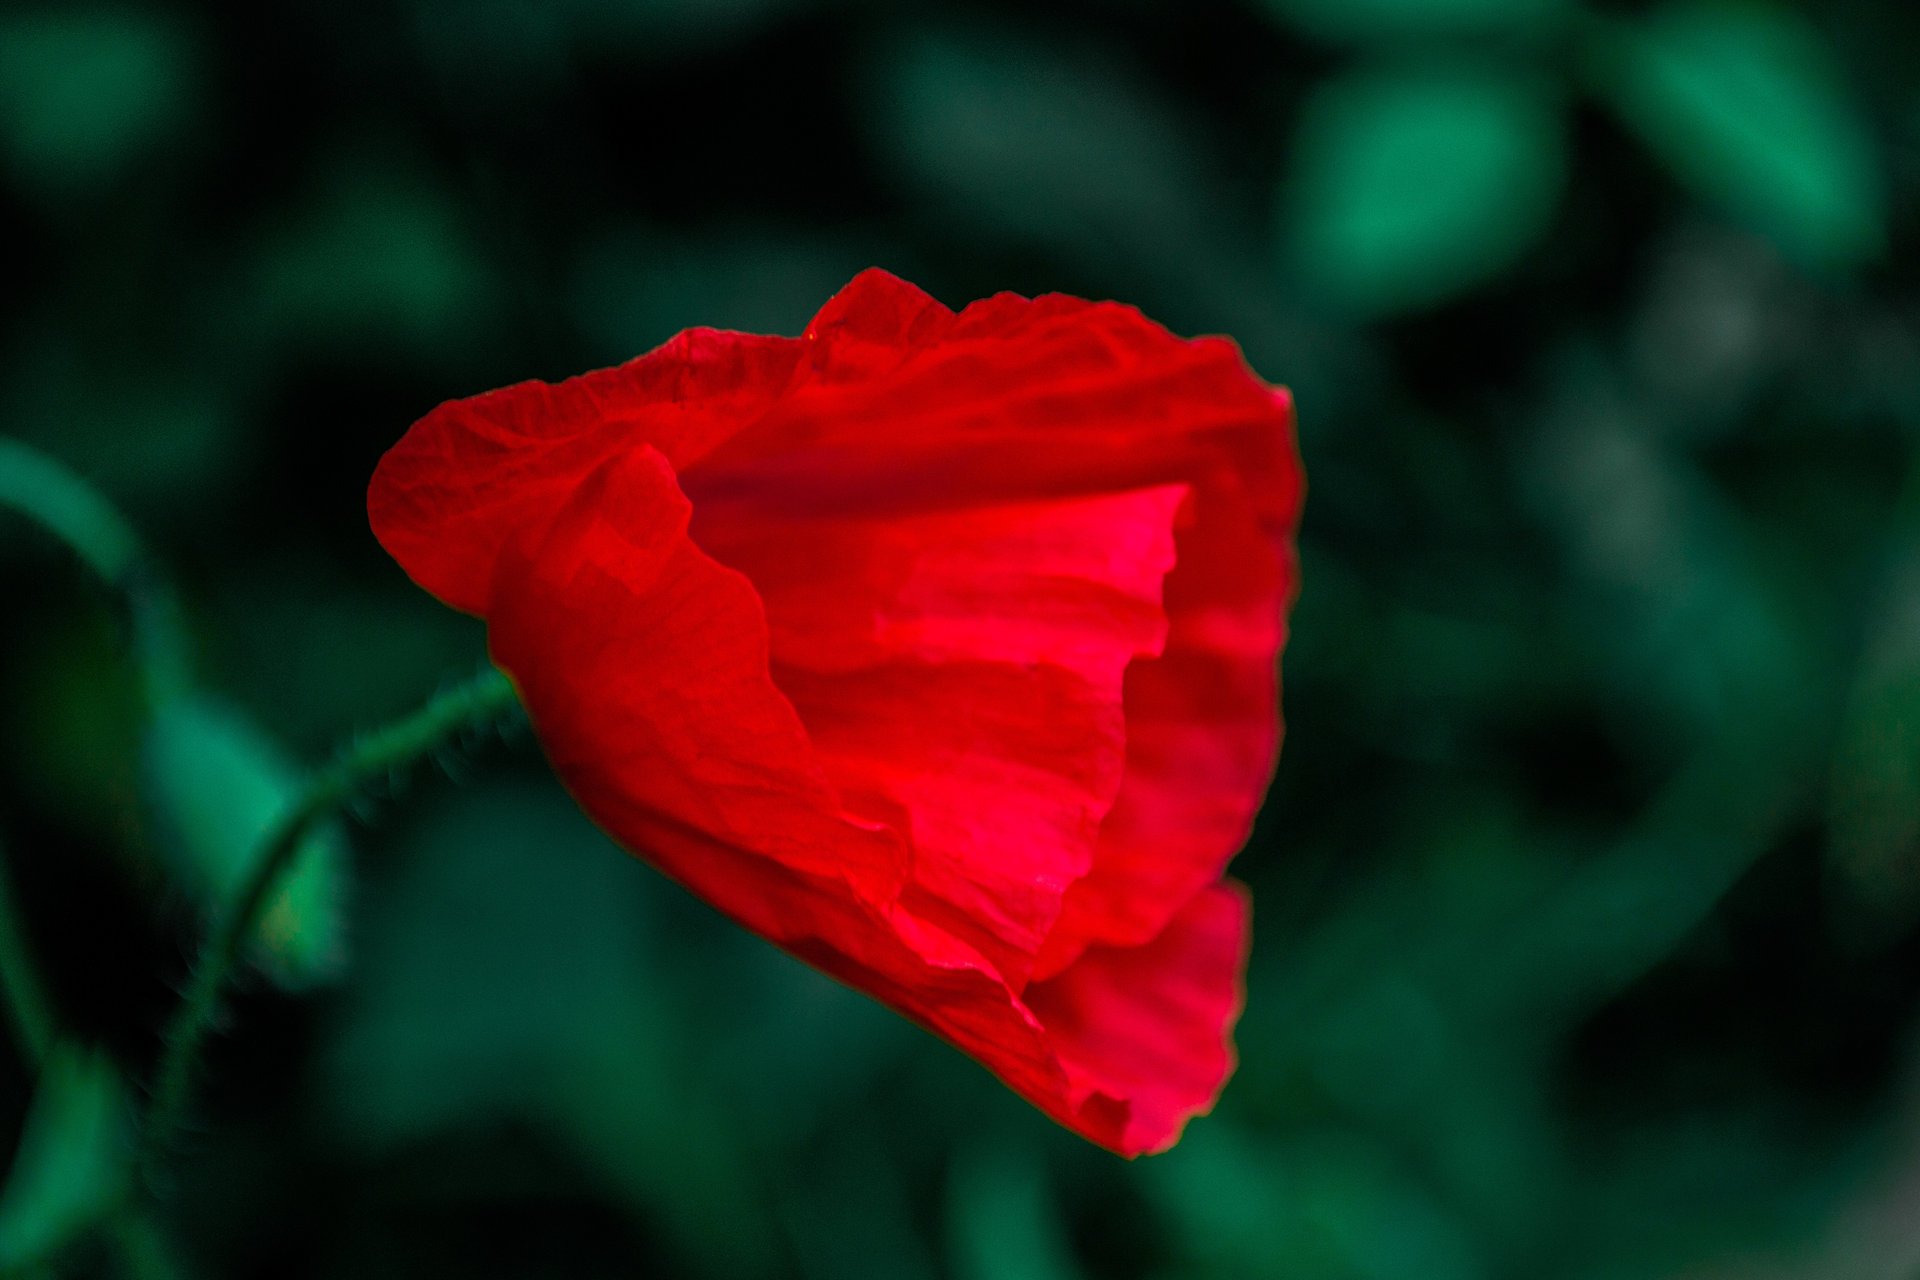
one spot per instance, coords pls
(938, 648)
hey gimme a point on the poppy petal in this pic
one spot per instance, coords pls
(643, 664)
(960, 675)
(1016, 402)
(938, 648)
(1149, 1028)
(1203, 732)
(475, 472)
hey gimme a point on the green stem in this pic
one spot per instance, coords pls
(137, 1241)
(481, 701)
(63, 504)
(60, 502)
(29, 1007)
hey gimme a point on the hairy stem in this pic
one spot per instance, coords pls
(371, 758)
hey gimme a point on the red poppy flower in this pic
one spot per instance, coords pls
(940, 649)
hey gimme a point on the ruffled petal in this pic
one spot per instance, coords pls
(1018, 399)
(870, 328)
(1147, 1031)
(474, 473)
(960, 675)
(937, 648)
(1203, 733)
(643, 664)
(1009, 406)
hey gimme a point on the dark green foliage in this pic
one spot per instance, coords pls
(1588, 898)
(72, 1159)
(217, 786)
(1748, 106)
(1414, 183)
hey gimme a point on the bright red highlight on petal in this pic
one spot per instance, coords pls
(940, 649)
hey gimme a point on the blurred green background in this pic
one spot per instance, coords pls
(1588, 896)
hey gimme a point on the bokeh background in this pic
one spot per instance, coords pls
(1588, 924)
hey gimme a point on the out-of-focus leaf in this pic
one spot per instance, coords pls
(217, 785)
(155, 438)
(1073, 151)
(72, 1158)
(380, 255)
(1326, 1206)
(73, 713)
(1721, 315)
(1410, 185)
(1003, 1221)
(1874, 793)
(1619, 915)
(1745, 104)
(1388, 1008)
(85, 91)
(851, 1215)
(1383, 19)
(504, 977)
(1224, 1202)
(633, 290)
(1675, 592)
(509, 935)
(365, 652)
(1065, 150)
(1739, 1169)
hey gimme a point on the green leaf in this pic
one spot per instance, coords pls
(84, 92)
(1412, 185)
(1748, 106)
(1321, 1203)
(72, 1157)
(508, 972)
(1389, 19)
(156, 432)
(1049, 146)
(1004, 1220)
(377, 254)
(71, 693)
(217, 785)
(1873, 802)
